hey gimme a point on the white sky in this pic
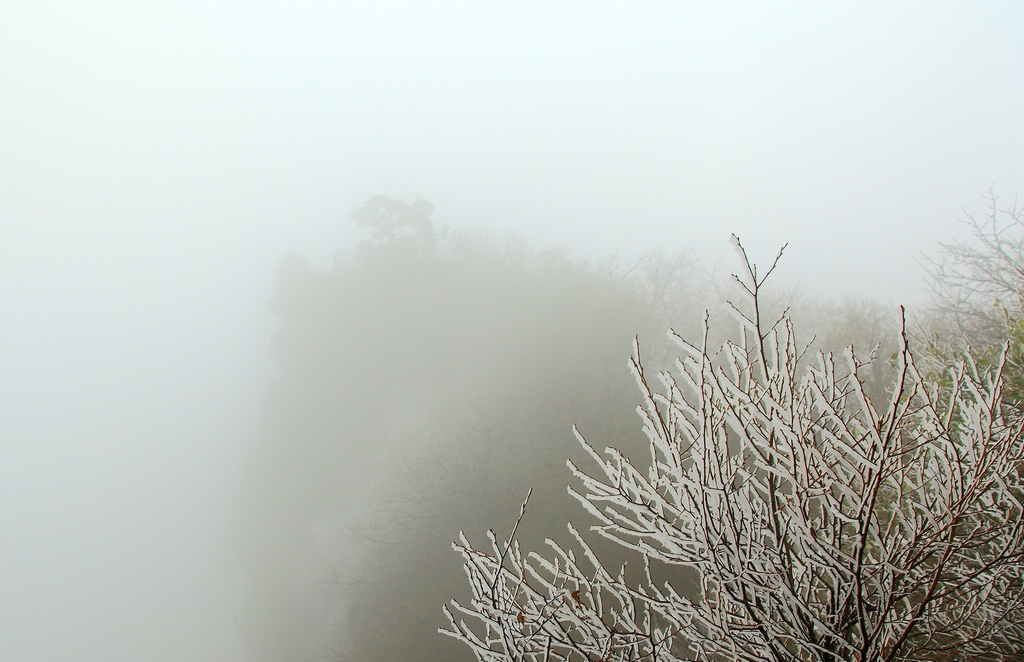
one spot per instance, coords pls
(157, 159)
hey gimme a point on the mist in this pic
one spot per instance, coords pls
(163, 167)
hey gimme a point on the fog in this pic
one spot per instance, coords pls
(158, 160)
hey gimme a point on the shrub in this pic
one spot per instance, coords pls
(781, 515)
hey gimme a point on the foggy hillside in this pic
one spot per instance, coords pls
(237, 423)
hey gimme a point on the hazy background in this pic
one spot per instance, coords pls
(157, 160)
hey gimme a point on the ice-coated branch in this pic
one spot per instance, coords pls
(794, 518)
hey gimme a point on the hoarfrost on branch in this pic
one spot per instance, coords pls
(782, 515)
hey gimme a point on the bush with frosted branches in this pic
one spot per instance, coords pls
(781, 515)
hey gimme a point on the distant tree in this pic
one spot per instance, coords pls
(783, 515)
(396, 223)
(977, 284)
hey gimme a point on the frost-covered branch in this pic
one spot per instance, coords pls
(818, 525)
